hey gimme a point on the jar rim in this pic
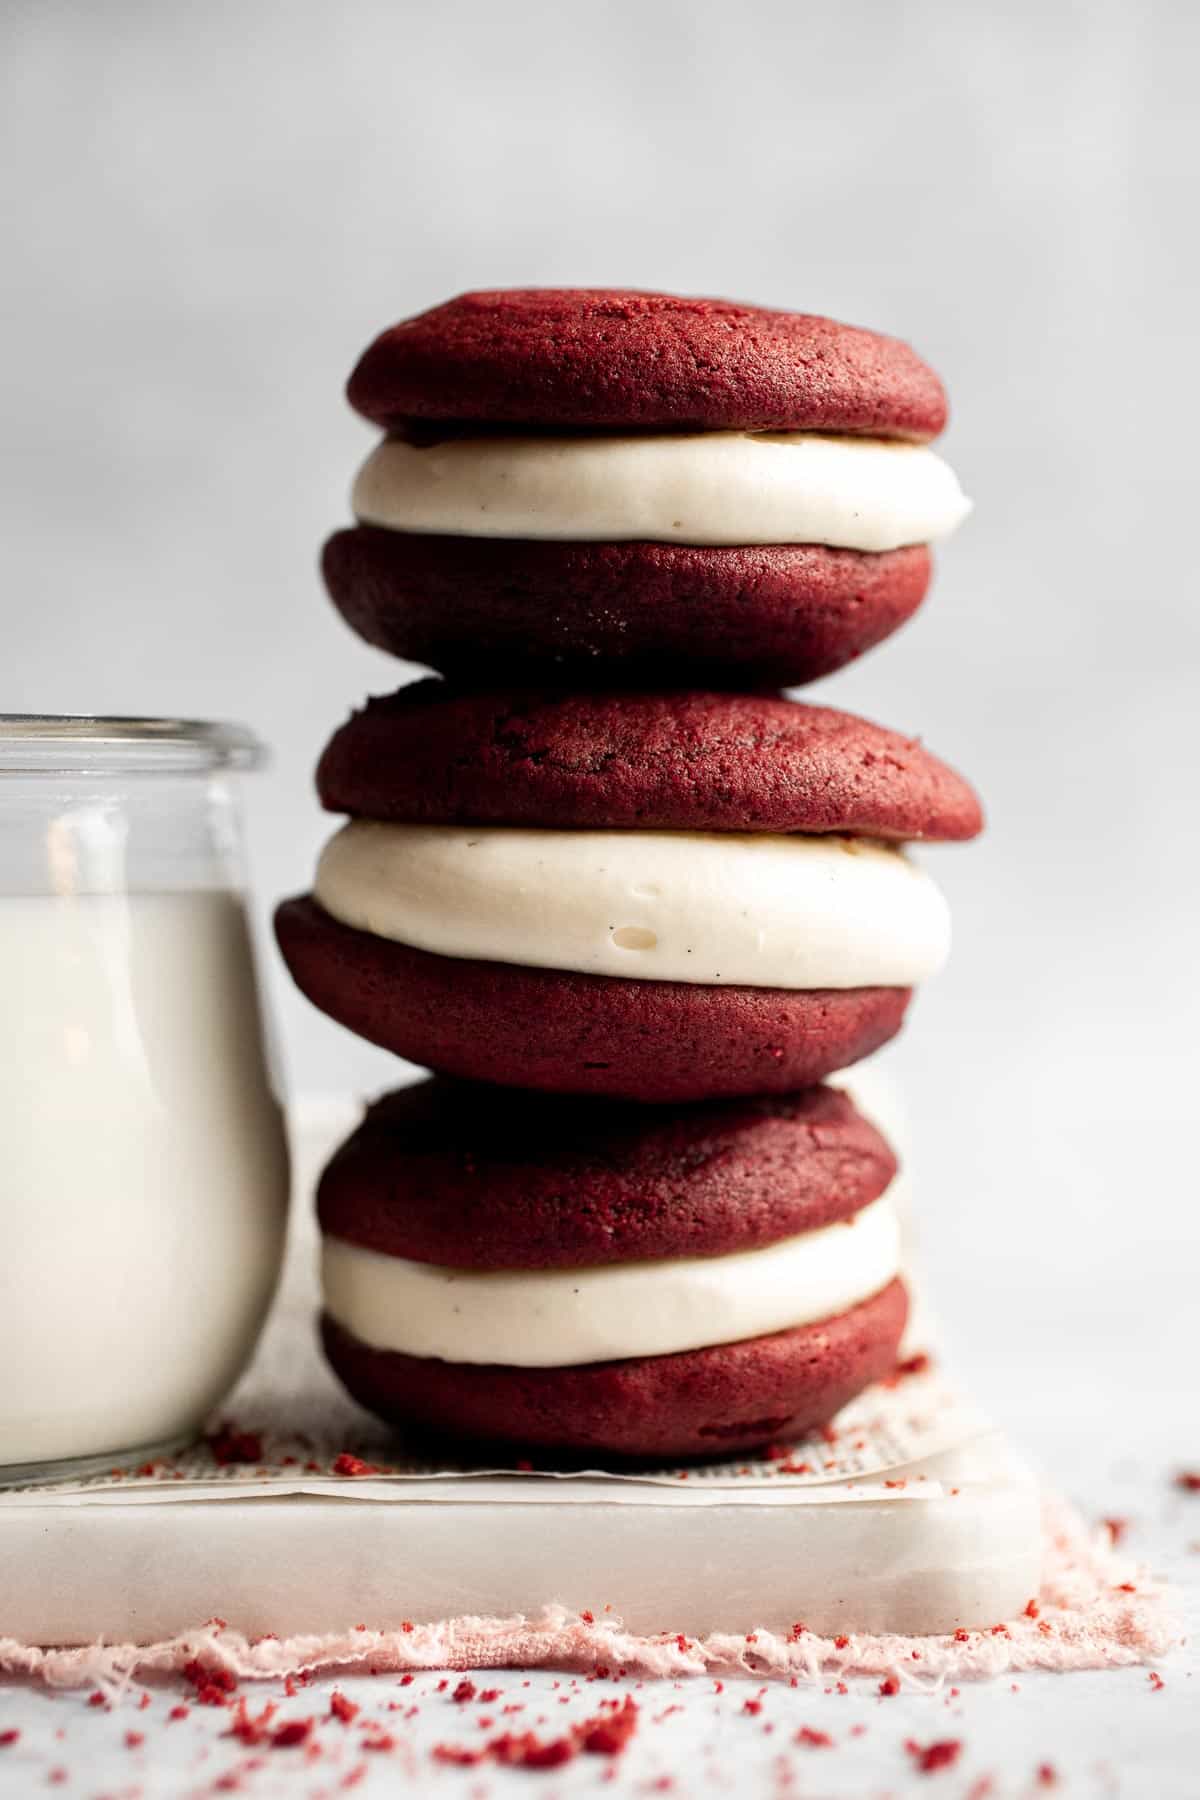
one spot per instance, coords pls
(69, 743)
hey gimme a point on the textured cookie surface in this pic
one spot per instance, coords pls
(588, 358)
(771, 615)
(651, 1041)
(688, 761)
(715, 1402)
(478, 1177)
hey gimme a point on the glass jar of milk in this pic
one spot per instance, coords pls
(143, 1165)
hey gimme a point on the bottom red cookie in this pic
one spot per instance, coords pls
(767, 615)
(715, 1402)
(655, 1041)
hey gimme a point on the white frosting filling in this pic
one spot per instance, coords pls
(714, 487)
(713, 907)
(552, 1318)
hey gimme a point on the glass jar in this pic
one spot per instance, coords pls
(144, 1172)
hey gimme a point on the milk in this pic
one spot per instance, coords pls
(143, 1169)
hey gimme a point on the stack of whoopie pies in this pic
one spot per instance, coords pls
(628, 903)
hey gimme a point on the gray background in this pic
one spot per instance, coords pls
(209, 210)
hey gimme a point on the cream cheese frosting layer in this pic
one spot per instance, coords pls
(714, 487)
(553, 1318)
(730, 908)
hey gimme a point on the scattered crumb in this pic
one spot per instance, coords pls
(930, 1757)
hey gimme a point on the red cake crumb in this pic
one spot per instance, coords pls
(250, 1728)
(919, 1364)
(1116, 1529)
(524, 1750)
(816, 1740)
(97, 1699)
(1047, 1775)
(133, 1739)
(227, 1445)
(291, 1733)
(179, 1712)
(1156, 1681)
(9, 1736)
(375, 1739)
(931, 1757)
(343, 1709)
(606, 1734)
(345, 1464)
(487, 1695)
(466, 1690)
(1188, 1480)
(889, 1685)
(458, 1754)
(213, 1686)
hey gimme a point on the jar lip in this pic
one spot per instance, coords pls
(48, 743)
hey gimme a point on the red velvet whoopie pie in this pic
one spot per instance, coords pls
(469, 1178)
(580, 361)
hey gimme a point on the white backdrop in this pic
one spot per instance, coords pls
(209, 210)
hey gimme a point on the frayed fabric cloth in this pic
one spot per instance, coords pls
(1096, 1610)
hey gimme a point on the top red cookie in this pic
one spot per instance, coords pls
(674, 761)
(609, 359)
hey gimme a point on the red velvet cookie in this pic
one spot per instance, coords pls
(769, 615)
(477, 1177)
(715, 1402)
(521, 1027)
(686, 761)
(572, 359)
